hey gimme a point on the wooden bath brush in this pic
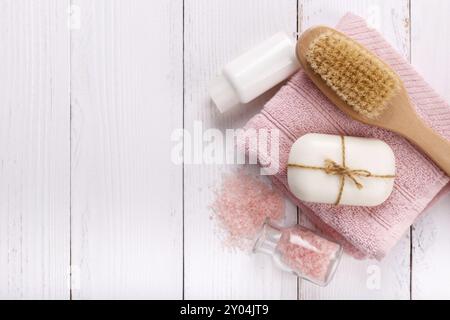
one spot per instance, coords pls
(367, 89)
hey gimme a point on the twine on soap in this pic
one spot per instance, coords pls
(333, 168)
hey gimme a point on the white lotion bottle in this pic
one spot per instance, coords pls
(254, 72)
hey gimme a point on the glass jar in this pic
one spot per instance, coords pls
(301, 251)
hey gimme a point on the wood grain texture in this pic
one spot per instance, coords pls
(34, 144)
(216, 32)
(431, 239)
(126, 192)
(354, 279)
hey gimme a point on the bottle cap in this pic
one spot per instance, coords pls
(223, 94)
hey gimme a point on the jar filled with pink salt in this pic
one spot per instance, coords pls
(301, 251)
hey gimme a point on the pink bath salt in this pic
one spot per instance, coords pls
(308, 254)
(242, 205)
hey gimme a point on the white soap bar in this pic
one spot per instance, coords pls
(316, 170)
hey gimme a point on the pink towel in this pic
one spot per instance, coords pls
(299, 107)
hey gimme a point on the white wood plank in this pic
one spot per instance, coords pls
(355, 279)
(431, 236)
(35, 150)
(126, 193)
(215, 32)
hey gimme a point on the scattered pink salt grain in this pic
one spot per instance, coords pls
(242, 205)
(308, 254)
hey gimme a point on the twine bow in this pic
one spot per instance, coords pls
(333, 168)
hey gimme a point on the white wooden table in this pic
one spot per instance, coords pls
(91, 205)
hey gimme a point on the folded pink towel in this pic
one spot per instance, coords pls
(299, 108)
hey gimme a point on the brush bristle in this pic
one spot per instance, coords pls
(356, 75)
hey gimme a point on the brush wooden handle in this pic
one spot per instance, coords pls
(431, 143)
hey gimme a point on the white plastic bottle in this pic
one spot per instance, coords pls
(254, 72)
